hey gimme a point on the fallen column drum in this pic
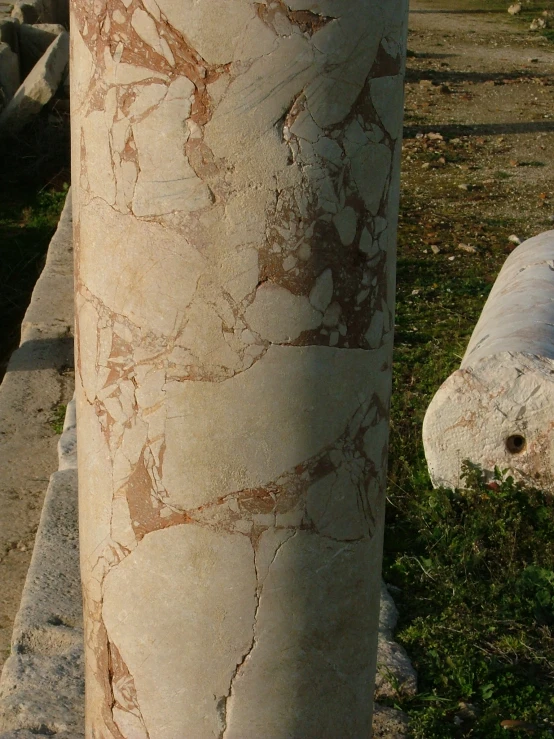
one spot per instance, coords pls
(497, 410)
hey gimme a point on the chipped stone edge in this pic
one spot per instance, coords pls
(43, 321)
(45, 669)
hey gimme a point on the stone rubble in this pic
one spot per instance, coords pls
(38, 88)
(34, 55)
(395, 674)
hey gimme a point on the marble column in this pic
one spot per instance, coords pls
(495, 411)
(235, 169)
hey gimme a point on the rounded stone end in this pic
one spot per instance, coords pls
(495, 414)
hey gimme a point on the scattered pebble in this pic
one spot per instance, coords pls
(514, 239)
(463, 186)
(537, 24)
(467, 247)
(435, 249)
(451, 259)
(514, 9)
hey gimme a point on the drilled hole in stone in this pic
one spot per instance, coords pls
(515, 443)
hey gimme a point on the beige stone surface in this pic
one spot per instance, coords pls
(235, 232)
(38, 87)
(37, 380)
(495, 411)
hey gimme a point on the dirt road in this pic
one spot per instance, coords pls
(485, 76)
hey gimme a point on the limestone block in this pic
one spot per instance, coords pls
(9, 73)
(38, 88)
(34, 41)
(38, 378)
(495, 411)
(42, 685)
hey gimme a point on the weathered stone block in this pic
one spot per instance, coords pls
(9, 33)
(42, 686)
(38, 88)
(9, 73)
(34, 41)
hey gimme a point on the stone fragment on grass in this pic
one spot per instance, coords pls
(537, 24)
(38, 88)
(395, 674)
(496, 410)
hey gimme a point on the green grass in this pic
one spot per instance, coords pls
(57, 418)
(475, 568)
(488, 638)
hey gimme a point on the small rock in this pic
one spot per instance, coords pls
(389, 723)
(425, 83)
(463, 186)
(433, 136)
(537, 24)
(395, 673)
(435, 249)
(445, 90)
(533, 59)
(426, 165)
(451, 259)
(468, 248)
(514, 9)
(514, 239)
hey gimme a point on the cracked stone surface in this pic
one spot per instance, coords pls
(496, 409)
(235, 219)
